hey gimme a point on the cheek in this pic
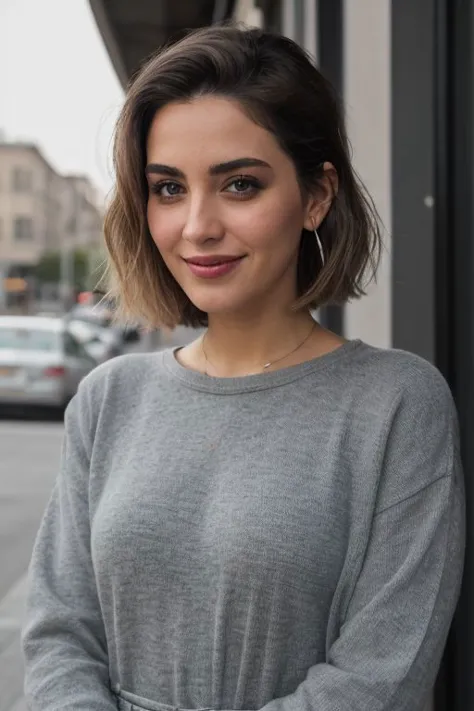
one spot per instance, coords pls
(162, 227)
(274, 225)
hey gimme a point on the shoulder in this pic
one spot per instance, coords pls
(403, 379)
(420, 441)
(114, 386)
(125, 372)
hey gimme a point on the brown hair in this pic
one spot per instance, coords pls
(277, 85)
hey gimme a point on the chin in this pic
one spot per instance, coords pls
(212, 308)
(213, 305)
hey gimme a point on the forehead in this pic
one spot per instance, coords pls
(207, 126)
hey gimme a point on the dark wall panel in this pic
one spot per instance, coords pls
(433, 244)
(330, 42)
(460, 237)
(413, 126)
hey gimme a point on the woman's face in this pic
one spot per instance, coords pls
(224, 209)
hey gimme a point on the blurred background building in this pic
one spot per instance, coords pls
(46, 221)
(406, 72)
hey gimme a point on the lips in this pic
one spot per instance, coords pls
(213, 266)
(212, 260)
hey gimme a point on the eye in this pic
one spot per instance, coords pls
(166, 189)
(243, 186)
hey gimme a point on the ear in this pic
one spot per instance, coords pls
(321, 199)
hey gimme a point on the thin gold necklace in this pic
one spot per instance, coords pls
(270, 363)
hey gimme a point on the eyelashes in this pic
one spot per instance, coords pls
(252, 184)
(157, 188)
(245, 187)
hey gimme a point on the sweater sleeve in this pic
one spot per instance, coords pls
(392, 635)
(64, 641)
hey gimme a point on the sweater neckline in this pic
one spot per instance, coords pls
(259, 381)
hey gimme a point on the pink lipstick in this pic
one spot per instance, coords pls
(213, 266)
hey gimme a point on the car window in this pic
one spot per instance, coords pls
(81, 331)
(72, 347)
(25, 339)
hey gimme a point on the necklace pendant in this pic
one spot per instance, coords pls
(267, 365)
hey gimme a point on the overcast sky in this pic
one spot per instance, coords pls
(57, 86)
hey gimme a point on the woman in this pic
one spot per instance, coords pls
(271, 517)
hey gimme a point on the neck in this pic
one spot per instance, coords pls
(236, 348)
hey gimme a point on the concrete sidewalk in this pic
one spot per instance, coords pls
(11, 660)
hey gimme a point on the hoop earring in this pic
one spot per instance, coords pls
(320, 246)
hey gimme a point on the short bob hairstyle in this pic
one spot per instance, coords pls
(279, 88)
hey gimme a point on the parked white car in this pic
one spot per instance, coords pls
(101, 343)
(100, 315)
(41, 362)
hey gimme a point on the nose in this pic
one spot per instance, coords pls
(202, 222)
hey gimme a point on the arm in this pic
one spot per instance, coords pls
(64, 640)
(393, 632)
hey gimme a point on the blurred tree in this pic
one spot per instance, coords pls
(81, 269)
(88, 268)
(96, 269)
(47, 270)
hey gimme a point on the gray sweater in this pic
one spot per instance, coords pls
(290, 541)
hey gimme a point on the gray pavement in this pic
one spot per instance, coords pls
(28, 465)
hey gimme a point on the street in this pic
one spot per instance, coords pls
(30, 453)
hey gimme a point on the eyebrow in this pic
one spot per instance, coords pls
(217, 169)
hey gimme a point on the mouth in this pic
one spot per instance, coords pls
(213, 266)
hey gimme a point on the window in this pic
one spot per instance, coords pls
(23, 229)
(71, 345)
(22, 339)
(22, 181)
(73, 348)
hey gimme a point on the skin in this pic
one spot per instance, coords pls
(254, 211)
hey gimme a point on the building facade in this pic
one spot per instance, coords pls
(41, 211)
(28, 204)
(81, 217)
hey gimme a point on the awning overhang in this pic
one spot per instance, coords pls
(132, 31)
